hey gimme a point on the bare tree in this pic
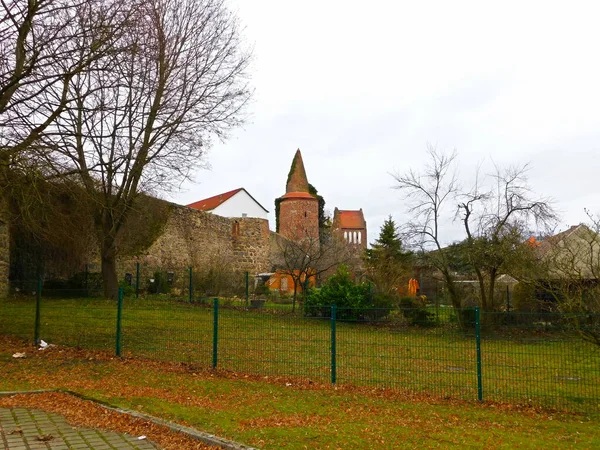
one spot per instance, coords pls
(43, 45)
(309, 258)
(568, 270)
(143, 117)
(495, 213)
(495, 220)
(429, 194)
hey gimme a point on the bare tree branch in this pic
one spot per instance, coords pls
(142, 117)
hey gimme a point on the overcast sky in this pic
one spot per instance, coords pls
(362, 87)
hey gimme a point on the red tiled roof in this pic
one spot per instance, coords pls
(208, 204)
(299, 195)
(350, 219)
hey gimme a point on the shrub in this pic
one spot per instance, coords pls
(261, 290)
(159, 284)
(353, 300)
(128, 289)
(467, 317)
(416, 313)
(215, 281)
(523, 298)
(76, 286)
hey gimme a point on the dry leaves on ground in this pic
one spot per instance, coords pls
(84, 413)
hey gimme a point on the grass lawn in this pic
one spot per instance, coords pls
(272, 412)
(540, 368)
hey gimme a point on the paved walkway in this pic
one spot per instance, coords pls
(30, 429)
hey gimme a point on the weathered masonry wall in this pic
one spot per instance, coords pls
(190, 238)
(200, 240)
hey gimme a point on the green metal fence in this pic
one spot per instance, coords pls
(537, 359)
(143, 279)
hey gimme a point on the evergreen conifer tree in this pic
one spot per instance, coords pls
(388, 264)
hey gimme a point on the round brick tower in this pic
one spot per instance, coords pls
(298, 209)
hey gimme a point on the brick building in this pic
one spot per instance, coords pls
(351, 226)
(298, 209)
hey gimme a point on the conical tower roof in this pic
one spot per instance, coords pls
(297, 181)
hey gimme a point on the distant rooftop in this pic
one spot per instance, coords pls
(349, 219)
(210, 203)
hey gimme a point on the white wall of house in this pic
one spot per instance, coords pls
(238, 205)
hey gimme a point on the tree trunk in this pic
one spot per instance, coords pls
(482, 293)
(492, 293)
(454, 298)
(109, 272)
(4, 246)
(295, 295)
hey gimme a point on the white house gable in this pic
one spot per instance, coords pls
(241, 205)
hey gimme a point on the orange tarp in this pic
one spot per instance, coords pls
(413, 287)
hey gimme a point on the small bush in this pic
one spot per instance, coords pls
(261, 290)
(467, 317)
(159, 284)
(128, 289)
(79, 285)
(353, 300)
(416, 313)
(523, 298)
(214, 282)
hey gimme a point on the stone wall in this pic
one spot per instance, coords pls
(190, 238)
(251, 245)
(198, 239)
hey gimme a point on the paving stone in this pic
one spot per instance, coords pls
(25, 429)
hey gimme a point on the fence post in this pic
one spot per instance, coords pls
(38, 301)
(119, 316)
(478, 345)
(191, 285)
(247, 291)
(333, 346)
(137, 280)
(215, 332)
